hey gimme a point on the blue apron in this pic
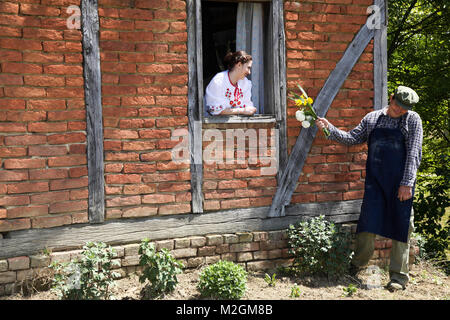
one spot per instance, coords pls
(382, 212)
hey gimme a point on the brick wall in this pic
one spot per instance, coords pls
(144, 90)
(253, 250)
(317, 34)
(244, 174)
(43, 173)
(143, 43)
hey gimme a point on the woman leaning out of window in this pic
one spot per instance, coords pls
(230, 92)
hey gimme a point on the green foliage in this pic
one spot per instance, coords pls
(350, 290)
(271, 281)
(295, 291)
(223, 280)
(88, 278)
(418, 57)
(160, 268)
(319, 247)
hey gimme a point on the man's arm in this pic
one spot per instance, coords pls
(355, 136)
(413, 157)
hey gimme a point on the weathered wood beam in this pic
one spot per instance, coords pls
(32, 241)
(195, 101)
(93, 100)
(280, 84)
(380, 99)
(323, 101)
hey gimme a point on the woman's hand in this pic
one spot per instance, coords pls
(248, 111)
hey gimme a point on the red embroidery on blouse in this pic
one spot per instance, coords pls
(237, 95)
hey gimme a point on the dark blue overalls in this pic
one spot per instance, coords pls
(382, 212)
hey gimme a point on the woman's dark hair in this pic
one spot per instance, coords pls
(233, 58)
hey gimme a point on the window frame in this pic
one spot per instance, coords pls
(195, 92)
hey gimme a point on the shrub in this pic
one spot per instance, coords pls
(223, 280)
(319, 247)
(88, 278)
(160, 268)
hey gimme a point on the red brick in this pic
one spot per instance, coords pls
(47, 150)
(20, 44)
(44, 81)
(46, 174)
(24, 163)
(151, 4)
(50, 197)
(43, 57)
(25, 212)
(12, 152)
(46, 34)
(15, 224)
(122, 178)
(10, 79)
(9, 7)
(138, 168)
(13, 127)
(53, 104)
(78, 172)
(174, 209)
(66, 115)
(68, 206)
(27, 187)
(239, 203)
(33, 9)
(26, 116)
(158, 198)
(123, 201)
(72, 137)
(67, 161)
(9, 175)
(25, 92)
(63, 69)
(64, 184)
(12, 104)
(49, 222)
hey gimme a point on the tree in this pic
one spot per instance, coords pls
(418, 57)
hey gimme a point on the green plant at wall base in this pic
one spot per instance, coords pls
(350, 290)
(160, 268)
(319, 247)
(271, 281)
(223, 280)
(295, 291)
(90, 277)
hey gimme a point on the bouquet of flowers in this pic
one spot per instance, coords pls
(306, 114)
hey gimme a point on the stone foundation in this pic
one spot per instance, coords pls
(254, 250)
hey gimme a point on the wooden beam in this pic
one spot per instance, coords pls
(93, 100)
(380, 58)
(195, 101)
(323, 101)
(280, 85)
(32, 241)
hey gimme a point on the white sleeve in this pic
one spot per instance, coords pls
(215, 98)
(247, 92)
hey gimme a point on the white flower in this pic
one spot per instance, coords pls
(300, 116)
(306, 124)
(309, 118)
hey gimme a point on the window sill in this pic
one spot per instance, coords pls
(259, 118)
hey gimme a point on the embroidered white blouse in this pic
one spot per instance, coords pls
(221, 94)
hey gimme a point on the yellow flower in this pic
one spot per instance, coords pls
(310, 100)
(298, 102)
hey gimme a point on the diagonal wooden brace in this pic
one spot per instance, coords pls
(323, 101)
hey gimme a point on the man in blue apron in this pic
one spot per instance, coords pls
(394, 137)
